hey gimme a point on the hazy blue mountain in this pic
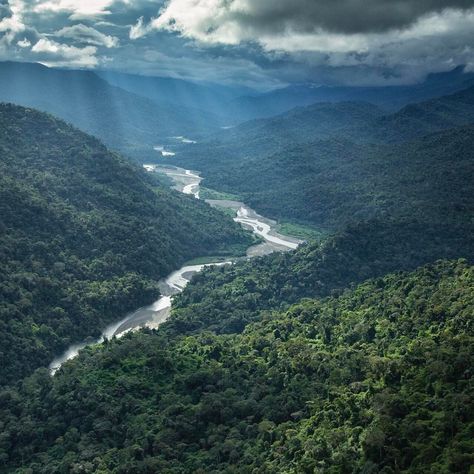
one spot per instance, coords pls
(390, 97)
(299, 125)
(355, 121)
(125, 121)
(329, 164)
(204, 96)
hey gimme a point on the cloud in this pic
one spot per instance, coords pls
(261, 43)
(233, 21)
(200, 66)
(24, 43)
(52, 53)
(140, 29)
(78, 9)
(87, 34)
(384, 42)
(11, 18)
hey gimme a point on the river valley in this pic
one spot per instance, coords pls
(187, 182)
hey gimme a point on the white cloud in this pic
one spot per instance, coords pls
(259, 41)
(24, 43)
(86, 34)
(79, 9)
(209, 21)
(433, 42)
(52, 53)
(13, 22)
(139, 29)
(231, 22)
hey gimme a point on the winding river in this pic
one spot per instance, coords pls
(187, 182)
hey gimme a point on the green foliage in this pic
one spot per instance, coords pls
(301, 231)
(328, 165)
(378, 379)
(331, 183)
(254, 372)
(84, 236)
(206, 193)
(226, 299)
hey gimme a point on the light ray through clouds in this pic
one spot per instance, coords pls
(261, 43)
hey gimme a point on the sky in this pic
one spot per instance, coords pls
(256, 43)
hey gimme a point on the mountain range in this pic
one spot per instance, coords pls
(329, 164)
(351, 354)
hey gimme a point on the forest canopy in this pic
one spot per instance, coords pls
(378, 379)
(84, 237)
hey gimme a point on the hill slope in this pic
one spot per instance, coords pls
(329, 183)
(330, 164)
(203, 96)
(377, 380)
(123, 120)
(355, 121)
(84, 237)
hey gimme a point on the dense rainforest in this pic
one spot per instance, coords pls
(332, 164)
(226, 299)
(331, 183)
(375, 380)
(84, 237)
(352, 354)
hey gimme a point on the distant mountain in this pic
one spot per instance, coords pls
(421, 118)
(388, 97)
(329, 164)
(329, 183)
(264, 136)
(123, 120)
(84, 237)
(203, 96)
(354, 121)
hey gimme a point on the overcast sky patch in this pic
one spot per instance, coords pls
(265, 43)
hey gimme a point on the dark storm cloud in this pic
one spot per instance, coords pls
(262, 43)
(341, 16)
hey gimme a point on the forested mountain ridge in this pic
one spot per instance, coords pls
(357, 122)
(330, 183)
(327, 359)
(226, 299)
(300, 125)
(378, 379)
(84, 237)
(415, 120)
(123, 120)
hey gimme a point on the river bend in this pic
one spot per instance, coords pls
(187, 182)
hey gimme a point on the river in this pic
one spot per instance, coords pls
(187, 182)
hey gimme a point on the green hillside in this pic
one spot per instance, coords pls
(334, 182)
(84, 237)
(125, 121)
(376, 380)
(226, 299)
(331, 164)
(331, 183)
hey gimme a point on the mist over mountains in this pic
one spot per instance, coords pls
(134, 113)
(350, 351)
